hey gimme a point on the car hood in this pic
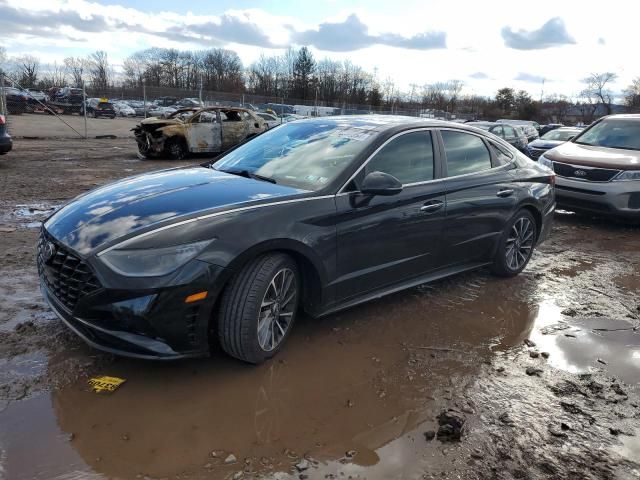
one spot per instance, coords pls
(545, 143)
(117, 210)
(591, 156)
(160, 122)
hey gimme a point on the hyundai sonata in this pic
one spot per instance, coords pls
(315, 215)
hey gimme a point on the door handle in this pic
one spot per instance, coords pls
(431, 207)
(505, 192)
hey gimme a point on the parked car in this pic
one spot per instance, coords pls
(68, 99)
(599, 169)
(552, 139)
(123, 109)
(206, 130)
(530, 128)
(316, 215)
(98, 107)
(189, 102)
(550, 126)
(143, 109)
(165, 101)
(17, 101)
(35, 99)
(6, 144)
(270, 120)
(512, 134)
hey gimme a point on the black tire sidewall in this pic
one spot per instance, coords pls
(246, 346)
(500, 266)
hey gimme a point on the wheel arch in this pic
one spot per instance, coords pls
(537, 215)
(311, 268)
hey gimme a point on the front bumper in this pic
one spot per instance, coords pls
(621, 199)
(6, 144)
(134, 317)
(114, 341)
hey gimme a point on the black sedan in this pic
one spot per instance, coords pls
(98, 108)
(316, 215)
(17, 101)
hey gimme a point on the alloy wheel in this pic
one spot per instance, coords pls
(277, 309)
(519, 245)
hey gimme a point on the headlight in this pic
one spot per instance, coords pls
(545, 161)
(152, 262)
(627, 175)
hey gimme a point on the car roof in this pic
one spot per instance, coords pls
(623, 116)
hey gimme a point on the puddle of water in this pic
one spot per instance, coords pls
(27, 215)
(371, 379)
(359, 381)
(28, 437)
(577, 344)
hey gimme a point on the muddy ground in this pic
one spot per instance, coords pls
(471, 377)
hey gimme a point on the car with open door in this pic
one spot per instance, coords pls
(316, 215)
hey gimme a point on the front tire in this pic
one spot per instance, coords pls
(259, 308)
(516, 245)
(176, 149)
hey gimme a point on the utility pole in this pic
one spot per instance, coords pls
(316, 99)
(200, 94)
(542, 91)
(144, 99)
(84, 109)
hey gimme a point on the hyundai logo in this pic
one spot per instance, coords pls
(580, 173)
(48, 252)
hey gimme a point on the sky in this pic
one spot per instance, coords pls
(486, 44)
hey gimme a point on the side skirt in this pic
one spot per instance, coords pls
(397, 287)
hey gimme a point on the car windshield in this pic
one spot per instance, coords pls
(307, 155)
(559, 135)
(613, 133)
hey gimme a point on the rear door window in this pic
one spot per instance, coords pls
(408, 157)
(465, 153)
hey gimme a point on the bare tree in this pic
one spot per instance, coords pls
(3, 58)
(54, 76)
(597, 89)
(453, 89)
(76, 68)
(28, 68)
(100, 71)
(632, 93)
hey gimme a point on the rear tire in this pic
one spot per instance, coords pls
(516, 245)
(259, 307)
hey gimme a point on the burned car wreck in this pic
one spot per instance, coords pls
(196, 130)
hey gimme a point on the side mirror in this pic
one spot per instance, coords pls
(379, 183)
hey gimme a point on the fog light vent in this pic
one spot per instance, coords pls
(634, 200)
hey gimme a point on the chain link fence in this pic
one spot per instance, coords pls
(60, 112)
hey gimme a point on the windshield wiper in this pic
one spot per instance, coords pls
(248, 174)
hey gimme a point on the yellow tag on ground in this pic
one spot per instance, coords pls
(105, 384)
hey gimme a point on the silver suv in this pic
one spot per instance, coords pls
(599, 170)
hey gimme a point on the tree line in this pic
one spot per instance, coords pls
(295, 76)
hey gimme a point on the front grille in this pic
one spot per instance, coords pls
(584, 173)
(67, 277)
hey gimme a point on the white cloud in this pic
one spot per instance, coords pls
(475, 40)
